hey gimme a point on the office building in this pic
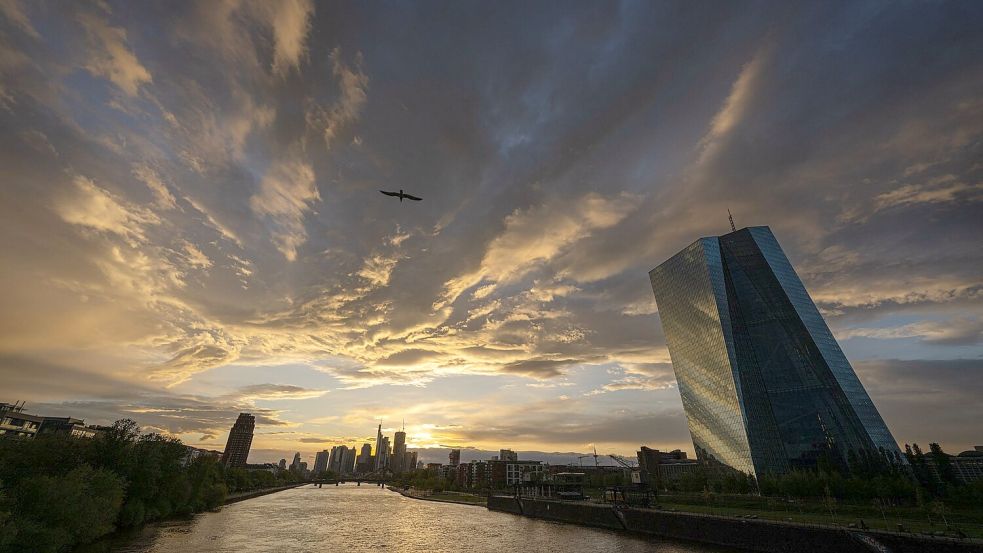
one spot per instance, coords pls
(321, 461)
(336, 460)
(454, 457)
(383, 454)
(365, 463)
(507, 455)
(378, 448)
(348, 462)
(282, 464)
(399, 452)
(240, 440)
(765, 386)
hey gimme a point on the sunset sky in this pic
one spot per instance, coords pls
(190, 222)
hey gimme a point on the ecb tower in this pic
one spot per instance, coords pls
(765, 386)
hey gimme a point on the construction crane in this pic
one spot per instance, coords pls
(624, 461)
(594, 455)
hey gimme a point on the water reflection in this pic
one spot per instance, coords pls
(367, 518)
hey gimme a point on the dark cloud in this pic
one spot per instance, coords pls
(928, 400)
(182, 193)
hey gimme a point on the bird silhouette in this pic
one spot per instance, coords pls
(401, 195)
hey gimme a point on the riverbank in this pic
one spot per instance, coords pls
(766, 536)
(447, 497)
(235, 498)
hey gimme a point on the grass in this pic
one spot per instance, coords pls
(912, 519)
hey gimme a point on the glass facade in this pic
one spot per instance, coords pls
(765, 386)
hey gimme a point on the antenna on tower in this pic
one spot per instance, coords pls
(731, 219)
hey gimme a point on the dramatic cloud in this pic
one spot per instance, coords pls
(285, 195)
(191, 224)
(110, 56)
(291, 23)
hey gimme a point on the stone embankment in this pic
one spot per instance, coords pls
(750, 534)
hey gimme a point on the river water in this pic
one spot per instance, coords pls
(367, 518)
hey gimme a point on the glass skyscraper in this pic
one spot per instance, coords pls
(765, 386)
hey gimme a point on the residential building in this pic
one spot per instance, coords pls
(454, 457)
(505, 474)
(67, 425)
(240, 440)
(282, 464)
(15, 422)
(765, 386)
(507, 455)
(193, 453)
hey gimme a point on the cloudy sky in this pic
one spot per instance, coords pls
(190, 222)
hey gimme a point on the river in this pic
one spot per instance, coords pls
(368, 518)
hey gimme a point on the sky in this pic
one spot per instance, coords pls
(190, 222)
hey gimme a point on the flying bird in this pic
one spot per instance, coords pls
(401, 195)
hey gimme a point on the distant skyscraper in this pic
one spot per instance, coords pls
(283, 464)
(454, 458)
(383, 455)
(378, 447)
(296, 463)
(321, 461)
(348, 461)
(240, 440)
(337, 458)
(399, 452)
(365, 463)
(507, 455)
(764, 384)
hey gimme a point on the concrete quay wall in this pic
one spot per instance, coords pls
(749, 534)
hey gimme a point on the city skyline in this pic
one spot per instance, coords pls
(191, 225)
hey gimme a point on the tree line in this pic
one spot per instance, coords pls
(57, 491)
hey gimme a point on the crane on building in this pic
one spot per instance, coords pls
(594, 455)
(624, 461)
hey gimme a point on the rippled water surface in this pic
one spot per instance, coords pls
(368, 518)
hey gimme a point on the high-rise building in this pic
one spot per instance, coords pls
(336, 461)
(507, 455)
(282, 464)
(399, 452)
(365, 463)
(295, 465)
(321, 461)
(454, 457)
(240, 440)
(348, 461)
(384, 453)
(764, 384)
(378, 448)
